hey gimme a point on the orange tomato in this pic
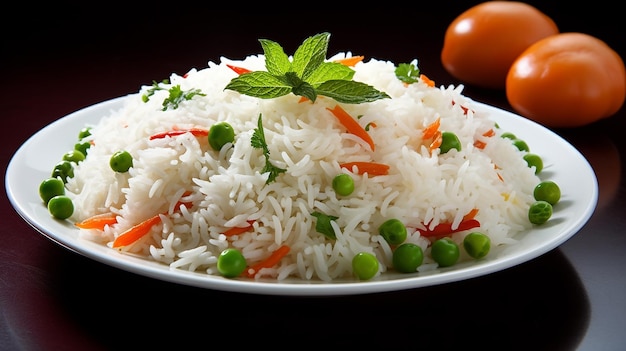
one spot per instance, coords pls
(567, 80)
(481, 44)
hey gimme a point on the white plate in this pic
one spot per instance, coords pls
(34, 160)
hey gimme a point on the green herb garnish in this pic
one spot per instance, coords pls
(323, 225)
(258, 142)
(155, 86)
(308, 75)
(177, 95)
(407, 72)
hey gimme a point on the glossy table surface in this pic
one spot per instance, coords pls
(573, 297)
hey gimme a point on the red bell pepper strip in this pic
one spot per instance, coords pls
(238, 70)
(445, 229)
(195, 131)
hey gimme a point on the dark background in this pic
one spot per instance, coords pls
(60, 57)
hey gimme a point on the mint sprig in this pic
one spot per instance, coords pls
(308, 75)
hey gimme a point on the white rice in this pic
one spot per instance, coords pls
(227, 188)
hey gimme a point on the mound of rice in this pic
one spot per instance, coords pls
(227, 189)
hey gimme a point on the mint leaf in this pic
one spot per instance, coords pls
(407, 72)
(310, 55)
(323, 225)
(301, 87)
(276, 61)
(350, 92)
(260, 84)
(330, 71)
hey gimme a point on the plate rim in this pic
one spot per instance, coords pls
(293, 287)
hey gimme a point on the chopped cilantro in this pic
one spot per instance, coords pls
(407, 72)
(323, 225)
(176, 94)
(258, 142)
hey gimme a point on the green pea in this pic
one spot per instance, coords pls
(547, 191)
(83, 133)
(445, 252)
(364, 265)
(407, 257)
(534, 160)
(449, 141)
(63, 170)
(508, 135)
(60, 207)
(82, 147)
(539, 212)
(343, 184)
(521, 145)
(477, 244)
(50, 188)
(231, 263)
(393, 231)
(121, 161)
(220, 134)
(73, 156)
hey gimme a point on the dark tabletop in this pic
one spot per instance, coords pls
(56, 60)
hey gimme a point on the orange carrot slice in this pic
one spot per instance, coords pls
(437, 140)
(98, 221)
(269, 262)
(479, 144)
(238, 230)
(431, 129)
(350, 61)
(470, 215)
(428, 81)
(351, 124)
(136, 232)
(371, 168)
(489, 133)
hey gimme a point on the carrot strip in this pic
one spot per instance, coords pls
(431, 129)
(98, 221)
(437, 140)
(428, 81)
(136, 232)
(238, 70)
(351, 124)
(350, 61)
(195, 131)
(371, 168)
(470, 215)
(269, 262)
(238, 230)
(489, 133)
(479, 144)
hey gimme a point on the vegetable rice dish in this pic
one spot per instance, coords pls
(302, 166)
